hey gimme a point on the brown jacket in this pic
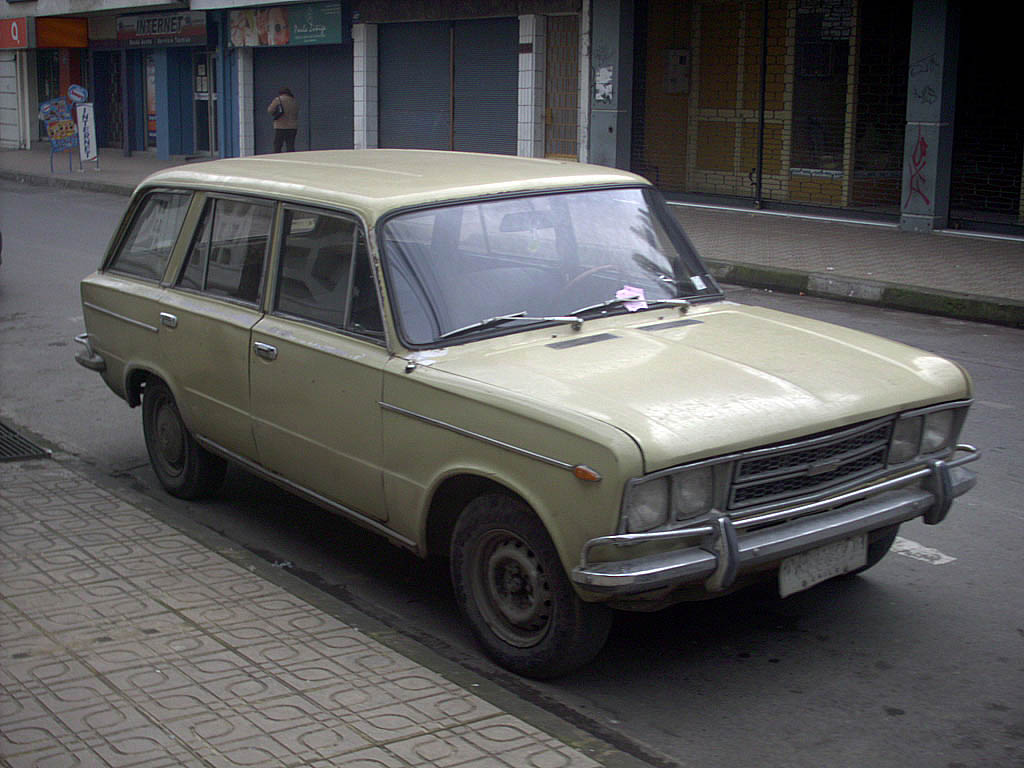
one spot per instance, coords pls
(290, 118)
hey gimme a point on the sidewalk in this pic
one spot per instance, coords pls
(126, 642)
(967, 276)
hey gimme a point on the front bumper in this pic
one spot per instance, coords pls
(722, 551)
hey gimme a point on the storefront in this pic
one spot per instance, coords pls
(306, 48)
(155, 83)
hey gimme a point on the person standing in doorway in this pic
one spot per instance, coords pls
(284, 109)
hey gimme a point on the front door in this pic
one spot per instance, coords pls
(317, 364)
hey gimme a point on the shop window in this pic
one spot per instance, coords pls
(819, 87)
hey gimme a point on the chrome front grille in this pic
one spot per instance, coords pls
(810, 466)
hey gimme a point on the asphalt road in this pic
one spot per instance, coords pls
(919, 662)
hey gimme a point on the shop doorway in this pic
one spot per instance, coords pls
(204, 103)
(47, 82)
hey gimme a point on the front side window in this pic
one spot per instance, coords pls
(470, 268)
(146, 248)
(229, 248)
(324, 273)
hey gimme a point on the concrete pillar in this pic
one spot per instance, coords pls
(364, 86)
(931, 106)
(611, 82)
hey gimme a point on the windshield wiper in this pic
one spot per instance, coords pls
(683, 304)
(491, 322)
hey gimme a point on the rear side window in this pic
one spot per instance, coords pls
(230, 245)
(325, 273)
(146, 248)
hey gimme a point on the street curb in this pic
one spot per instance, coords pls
(963, 306)
(66, 182)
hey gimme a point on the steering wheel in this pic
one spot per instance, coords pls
(584, 275)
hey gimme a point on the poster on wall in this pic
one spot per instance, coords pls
(285, 25)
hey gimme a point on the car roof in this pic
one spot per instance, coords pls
(375, 181)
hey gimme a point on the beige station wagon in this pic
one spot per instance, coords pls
(518, 364)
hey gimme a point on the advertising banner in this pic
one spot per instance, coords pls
(287, 25)
(87, 149)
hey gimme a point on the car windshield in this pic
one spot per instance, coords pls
(452, 271)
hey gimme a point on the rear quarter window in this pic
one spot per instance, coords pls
(146, 248)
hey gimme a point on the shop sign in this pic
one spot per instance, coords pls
(287, 25)
(14, 33)
(162, 29)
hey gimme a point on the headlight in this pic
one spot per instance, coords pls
(647, 505)
(938, 431)
(906, 440)
(692, 493)
(676, 497)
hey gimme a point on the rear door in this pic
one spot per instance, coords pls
(317, 362)
(208, 316)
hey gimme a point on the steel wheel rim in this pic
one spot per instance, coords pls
(169, 438)
(512, 589)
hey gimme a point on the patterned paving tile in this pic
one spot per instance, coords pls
(125, 643)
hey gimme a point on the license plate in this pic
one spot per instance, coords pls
(803, 571)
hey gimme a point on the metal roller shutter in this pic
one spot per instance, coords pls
(330, 109)
(413, 83)
(486, 54)
(321, 79)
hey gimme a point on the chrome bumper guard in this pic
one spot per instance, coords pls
(726, 552)
(87, 357)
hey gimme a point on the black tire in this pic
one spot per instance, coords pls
(512, 589)
(879, 544)
(185, 469)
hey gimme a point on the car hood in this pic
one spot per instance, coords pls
(723, 378)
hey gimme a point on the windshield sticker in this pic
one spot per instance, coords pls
(698, 283)
(633, 298)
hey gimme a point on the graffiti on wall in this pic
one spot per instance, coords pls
(918, 165)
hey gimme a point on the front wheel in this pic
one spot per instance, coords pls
(510, 585)
(184, 468)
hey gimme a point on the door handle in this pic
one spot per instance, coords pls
(166, 318)
(266, 351)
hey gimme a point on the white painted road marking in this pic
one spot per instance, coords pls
(909, 548)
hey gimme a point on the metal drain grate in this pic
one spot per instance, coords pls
(14, 447)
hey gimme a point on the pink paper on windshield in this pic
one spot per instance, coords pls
(634, 297)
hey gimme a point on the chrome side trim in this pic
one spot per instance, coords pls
(322, 501)
(476, 436)
(130, 321)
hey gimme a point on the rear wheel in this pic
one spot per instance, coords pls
(511, 587)
(185, 469)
